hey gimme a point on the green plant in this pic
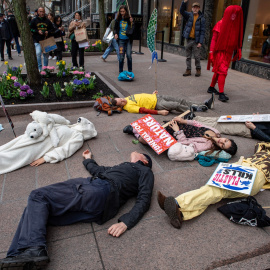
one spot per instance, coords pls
(57, 89)
(92, 82)
(45, 90)
(69, 89)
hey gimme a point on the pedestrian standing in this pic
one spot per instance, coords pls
(15, 30)
(41, 28)
(51, 18)
(113, 45)
(77, 23)
(5, 37)
(59, 34)
(194, 33)
(123, 32)
(227, 39)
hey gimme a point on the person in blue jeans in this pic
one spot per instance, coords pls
(41, 28)
(113, 45)
(15, 31)
(122, 32)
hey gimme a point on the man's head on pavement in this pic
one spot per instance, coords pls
(41, 12)
(195, 7)
(145, 159)
(119, 102)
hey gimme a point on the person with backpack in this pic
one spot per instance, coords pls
(193, 203)
(123, 32)
(94, 199)
(113, 45)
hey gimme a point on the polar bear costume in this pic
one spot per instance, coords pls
(23, 150)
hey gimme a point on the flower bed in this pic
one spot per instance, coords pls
(65, 85)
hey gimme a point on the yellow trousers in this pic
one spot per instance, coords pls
(195, 202)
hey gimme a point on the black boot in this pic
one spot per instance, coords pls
(222, 97)
(128, 129)
(212, 90)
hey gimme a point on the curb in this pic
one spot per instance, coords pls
(28, 108)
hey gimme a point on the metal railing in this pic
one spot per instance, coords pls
(68, 18)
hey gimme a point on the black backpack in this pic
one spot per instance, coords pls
(246, 212)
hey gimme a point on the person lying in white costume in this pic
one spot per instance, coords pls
(34, 148)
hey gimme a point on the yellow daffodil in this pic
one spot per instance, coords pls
(57, 63)
(65, 41)
(63, 62)
(20, 65)
(6, 62)
(8, 78)
(9, 74)
(46, 83)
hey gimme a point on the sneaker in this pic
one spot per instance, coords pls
(187, 73)
(13, 50)
(55, 58)
(104, 60)
(49, 57)
(212, 90)
(37, 255)
(199, 108)
(198, 72)
(2, 59)
(19, 55)
(128, 129)
(210, 102)
(10, 58)
(222, 97)
(5, 53)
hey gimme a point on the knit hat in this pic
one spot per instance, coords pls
(180, 152)
(149, 161)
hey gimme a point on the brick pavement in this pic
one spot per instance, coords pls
(207, 242)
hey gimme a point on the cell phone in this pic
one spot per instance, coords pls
(76, 20)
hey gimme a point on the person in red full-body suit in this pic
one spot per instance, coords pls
(227, 39)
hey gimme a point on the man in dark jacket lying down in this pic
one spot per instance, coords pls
(97, 198)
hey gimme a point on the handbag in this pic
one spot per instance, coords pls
(108, 36)
(246, 212)
(130, 30)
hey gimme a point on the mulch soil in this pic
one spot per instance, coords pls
(38, 98)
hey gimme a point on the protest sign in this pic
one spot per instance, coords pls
(153, 133)
(244, 118)
(233, 177)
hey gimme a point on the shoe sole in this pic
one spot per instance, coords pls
(170, 210)
(37, 262)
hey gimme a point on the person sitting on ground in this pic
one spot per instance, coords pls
(187, 132)
(159, 104)
(93, 199)
(257, 130)
(193, 203)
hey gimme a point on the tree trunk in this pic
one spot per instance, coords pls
(29, 50)
(102, 21)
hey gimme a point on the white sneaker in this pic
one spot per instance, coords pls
(19, 55)
(5, 53)
(13, 50)
(55, 58)
(50, 58)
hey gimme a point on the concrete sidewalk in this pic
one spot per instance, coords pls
(209, 241)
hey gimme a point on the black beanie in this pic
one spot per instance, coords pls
(149, 161)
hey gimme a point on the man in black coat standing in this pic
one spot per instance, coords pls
(93, 199)
(15, 30)
(5, 37)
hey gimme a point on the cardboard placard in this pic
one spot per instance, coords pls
(244, 118)
(48, 45)
(81, 35)
(153, 133)
(233, 177)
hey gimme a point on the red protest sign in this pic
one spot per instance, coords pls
(153, 133)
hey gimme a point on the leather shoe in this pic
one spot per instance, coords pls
(212, 90)
(173, 212)
(128, 129)
(161, 199)
(210, 102)
(37, 255)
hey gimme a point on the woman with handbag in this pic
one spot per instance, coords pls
(113, 45)
(123, 32)
(58, 35)
(51, 18)
(74, 25)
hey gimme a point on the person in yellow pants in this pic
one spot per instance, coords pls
(193, 203)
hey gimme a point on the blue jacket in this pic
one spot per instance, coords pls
(199, 25)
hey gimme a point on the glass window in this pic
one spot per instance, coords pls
(256, 45)
(176, 23)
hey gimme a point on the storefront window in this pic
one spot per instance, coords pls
(176, 23)
(256, 45)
